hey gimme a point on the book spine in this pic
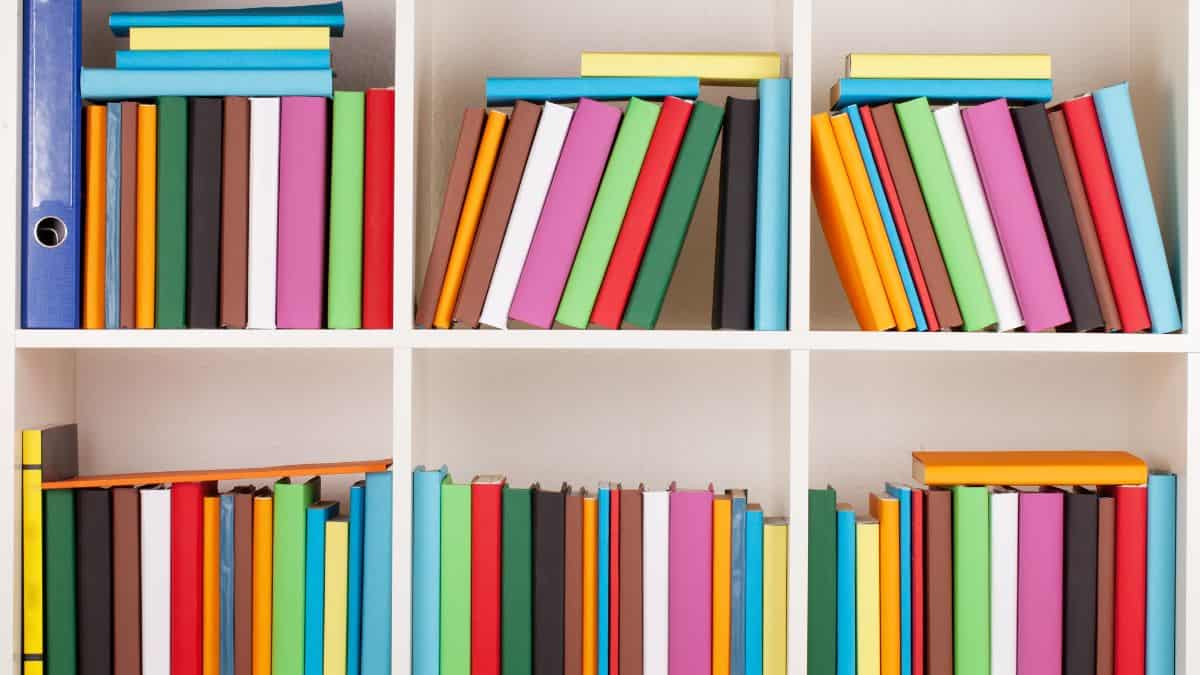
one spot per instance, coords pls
(145, 256)
(1004, 510)
(873, 91)
(288, 591)
(775, 594)
(263, 207)
(1160, 574)
(327, 15)
(316, 518)
(573, 555)
(94, 215)
(754, 592)
(145, 38)
(1040, 583)
(170, 273)
(93, 520)
(689, 585)
(846, 594)
(224, 59)
(300, 261)
(630, 629)
(733, 274)
(109, 84)
(822, 574)
(128, 217)
(427, 487)
(516, 609)
(727, 68)
(377, 574)
(656, 529)
(737, 588)
(918, 582)
(603, 576)
(213, 610)
(455, 592)
(336, 554)
(127, 598)
(205, 128)
(904, 495)
(1129, 590)
(235, 211)
(971, 583)
(772, 222)
(486, 532)
(503, 91)
(156, 579)
(61, 638)
(549, 578)
(344, 287)
(187, 576)
(1080, 520)
(379, 189)
(33, 586)
(949, 66)
(264, 520)
(354, 574)
(112, 217)
(614, 582)
(1105, 583)
(590, 610)
(887, 511)
(866, 582)
(939, 600)
(242, 613)
(721, 517)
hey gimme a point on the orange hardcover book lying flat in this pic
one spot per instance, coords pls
(1028, 467)
(201, 475)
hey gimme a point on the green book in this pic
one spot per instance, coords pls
(946, 213)
(674, 216)
(608, 212)
(287, 598)
(822, 581)
(59, 518)
(455, 604)
(516, 583)
(170, 269)
(972, 561)
(346, 212)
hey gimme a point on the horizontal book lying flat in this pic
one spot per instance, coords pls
(204, 475)
(238, 37)
(503, 91)
(104, 84)
(873, 91)
(730, 68)
(329, 14)
(223, 59)
(1028, 467)
(950, 66)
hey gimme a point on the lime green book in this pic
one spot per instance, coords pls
(946, 213)
(59, 517)
(608, 212)
(455, 647)
(516, 583)
(287, 597)
(346, 211)
(170, 269)
(972, 590)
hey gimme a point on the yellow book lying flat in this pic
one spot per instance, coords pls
(887, 511)
(730, 68)
(337, 541)
(260, 611)
(866, 599)
(950, 66)
(775, 546)
(720, 583)
(227, 38)
(1028, 467)
(211, 594)
(31, 551)
(589, 586)
(147, 205)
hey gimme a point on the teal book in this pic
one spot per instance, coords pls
(754, 590)
(904, 496)
(846, 598)
(1160, 574)
(972, 586)
(170, 260)
(224, 59)
(377, 575)
(287, 592)
(314, 586)
(344, 281)
(773, 222)
(822, 580)
(328, 15)
(61, 652)
(603, 504)
(426, 566)
(354, 581)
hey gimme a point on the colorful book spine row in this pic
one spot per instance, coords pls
(569, 581)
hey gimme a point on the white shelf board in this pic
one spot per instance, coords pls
(604, 339)
(205, 339)
(998, 342)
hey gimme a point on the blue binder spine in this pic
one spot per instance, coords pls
(426, 572)
(112, 219)
(314, 586)
(377, 576)
(904, 496)
(847, 608)
(774, 190)
(1160, 574)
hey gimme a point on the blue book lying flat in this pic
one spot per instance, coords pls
(111, 84)
(329, 14)
(846, 599)
(509, 90)
(229, 59)
(850, 91)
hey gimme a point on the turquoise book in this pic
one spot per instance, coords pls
(873, 91)
(846, 598)
(226, 583)
(329, 15)
(377, 576)
(1160, 574)
(904, 496)
(737, 583)
(314, 586)
(354, 571)
(426, 567)
(225, 59)
(603, 504)
(754, 591)
(772, 216)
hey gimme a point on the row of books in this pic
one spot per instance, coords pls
(965, 78)
(572, 581)
(984, 577)
(161, 573)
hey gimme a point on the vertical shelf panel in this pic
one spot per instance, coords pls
(798, 434)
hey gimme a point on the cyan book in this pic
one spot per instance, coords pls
(314, 586)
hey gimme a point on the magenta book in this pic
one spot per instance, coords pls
(1039, 583)
(689, 582)
(300, 271)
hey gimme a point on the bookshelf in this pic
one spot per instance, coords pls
(775, 412)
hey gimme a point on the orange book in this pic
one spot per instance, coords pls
(93, 216)
(721, 570)
(211, 622)
(1028, 467)
(844, 230)
(260, 646)
(481, 175)
(147, 191)
(868, 210)
(589, 585)
(205, 475)
(887, 511)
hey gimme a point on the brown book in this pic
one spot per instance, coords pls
(573, 596)
(1083, 220)
(1105, 561)
(447, 227)
(127, 580)
(243, 579)
(939, 584)
(629, 628)
(235, 210)
(912, 202)
(497, 207)
(129, 115)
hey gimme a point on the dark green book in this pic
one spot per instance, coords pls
(61, 638)
(516, 583)
(972, 586)
(822, 581)
(674, 216)
(170, 269)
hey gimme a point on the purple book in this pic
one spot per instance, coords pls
(1016, 215)
(1039, 583)
(564, 213)
(300, 274)
(689, 582)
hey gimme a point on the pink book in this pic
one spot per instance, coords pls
(1039, 583)
(300, 271)
(564, 213)
(1016, 215)
(689, 582)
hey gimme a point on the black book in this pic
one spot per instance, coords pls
(733, 280)
(93, 528)
(549, 581)
(1081, 522)
(204, 212)
(1050, 186)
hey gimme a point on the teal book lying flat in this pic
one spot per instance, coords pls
(113, 84)
(503, 91)
(228, 59)
(875, 91)
(330, 15)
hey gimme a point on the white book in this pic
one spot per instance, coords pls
(156, 580)
(1004, 510)
(527, 208)
(656, 515)
(264, 207)
(979, 217)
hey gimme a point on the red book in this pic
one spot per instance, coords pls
(378, 194)
(910, 251)
(614, 580)
(1129, 593)
(485, 574)
(187, 580)
(643, 209)
(918, 581)
(1097, 177)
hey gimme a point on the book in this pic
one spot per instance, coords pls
(1105, 582)
(263, 556)
(94, 216)
(549, 579)
(316, 516)
(847, 595)
(1004, 511)
(213, 614)
(737, 583)
(354, 575)
(656, 530)
(972, 654)
(873, 91)
(454, 606)
(427, 562)
(1040, 582)
(886, 510)
(949, 66)
(573, 555)
(187, 576)
(329, 15)
(337, 573)
(754, 589)
(939, 570)
(379, 191)
(918, 581)
(775, 595)
(227, 37)
(289, 546)
(517, 580)
(720, 68)
(486, 579)
(903, 495)
(689, 583)
(127, 575)
(128, 214)
(263, 205)
(170, 235)
(772, 218)
(1160, 573)
(722, 515)
(823, 578)
(300, 261)
(93, 530)
(113, 175)
(61, 609)
(502, 91)
(590, 632)
(112, 84)
(733, 273)
(377, 574)
(235, 211)
(237, 656)
(603, 574)
(1028, 467)
(146, 253)
(223, 59)
(866, 611)
(344, 288)
(614, 579)
(156, 577)
(203, 285)
(629, 630)
(202, 475)
(1080, 554)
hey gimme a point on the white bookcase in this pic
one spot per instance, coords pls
(773, 412)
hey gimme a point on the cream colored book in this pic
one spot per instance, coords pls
(867, 596)
(728, 68)
(775, 592)
(226, 38)
(949, 66)
(337, 541)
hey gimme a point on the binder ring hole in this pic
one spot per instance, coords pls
(50, 232)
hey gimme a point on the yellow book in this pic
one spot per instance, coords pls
(94, 215)
(844, 230)
(727, 68)
(589, 586)
(211, 593)
(887, 511)
(481, 175)
(721, 570)
(260, 610)
(337, 542)
(775, 596)
(866, 596)
(229, 37)
(868, 210)
(147, 205)
(1028, 467)
(950, 66)
(33, 599)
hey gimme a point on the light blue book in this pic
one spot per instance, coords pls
(885, 212)
(329, 15)
(604, 524)
(354, 561)
(904, 496)
(772, 218)
(227, 59)
(754, 591)
(1160, 574)
(314, 585)
(227, 566)
(112, 218)
(737, 582)
(1137, 204)
(870, 91)
(111, 84)
(377, 576)
(508, 90)
(847, 645)
(426, 570)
